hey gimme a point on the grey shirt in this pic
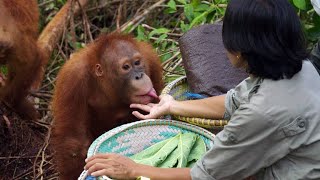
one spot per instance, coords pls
(273, 132)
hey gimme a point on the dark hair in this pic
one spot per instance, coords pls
(268, 34)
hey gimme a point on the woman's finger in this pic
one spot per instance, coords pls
(143, 107)
(151, 105)
(139, 115)
(108, 173)
(97, 167)
(102, 155)
(97, 160)
(101, 173)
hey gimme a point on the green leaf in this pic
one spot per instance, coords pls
(179, 151)
(313, 33)
(157, 153)
(186, 142)
(198, 149)
(301, 4)
(184, 27)
(61, 1)
(191, 164)
(200, 18)
(201, 8)
(182, 1)
(50, 7)
(129, 29)
(164, 45)
(195, 3)
(179, 157)
(161, 38)
(4, 70)
(169, 11)
(79, 45)
(172, 5)
(316, 20)
(141, 33)
(158, 31)
(171, 160)
(166, 57)
(150, 151)
(188, 11)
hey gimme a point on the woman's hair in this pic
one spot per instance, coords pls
(268, 34)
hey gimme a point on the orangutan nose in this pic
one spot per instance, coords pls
(139, 76)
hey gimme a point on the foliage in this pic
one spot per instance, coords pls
(191, 13)
(309, 18)
(196, 12)
(162, 27)
(50, 8)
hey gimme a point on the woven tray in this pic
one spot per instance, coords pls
(177, 89)
(132, 138)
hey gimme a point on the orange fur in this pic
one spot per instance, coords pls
(84, 106)
(19, 51)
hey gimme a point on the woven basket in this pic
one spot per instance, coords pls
(132, 138)
(178, 89)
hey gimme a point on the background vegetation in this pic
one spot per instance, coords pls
(160, 22)
(162, 25)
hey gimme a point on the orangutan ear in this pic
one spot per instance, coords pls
(98, 70)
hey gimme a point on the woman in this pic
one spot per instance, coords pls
(274, 127)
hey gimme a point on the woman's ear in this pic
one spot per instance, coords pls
(98, 70)
(238, 55)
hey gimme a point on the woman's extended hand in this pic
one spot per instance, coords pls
(154, 110)
(111, 165)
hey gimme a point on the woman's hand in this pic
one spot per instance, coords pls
(111, 165)
(154, 110)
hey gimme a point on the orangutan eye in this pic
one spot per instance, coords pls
(126, 67)
(137, 63)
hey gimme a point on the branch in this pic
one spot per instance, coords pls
(141, 16)
(52, 33)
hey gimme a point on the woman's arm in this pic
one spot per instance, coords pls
(121, 167)
(155, 173)
(212, 107)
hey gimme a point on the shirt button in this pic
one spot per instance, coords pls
(232, 138)
(301, 124)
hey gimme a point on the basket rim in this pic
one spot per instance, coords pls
(149, 122)
(202, 122)
(172, 84)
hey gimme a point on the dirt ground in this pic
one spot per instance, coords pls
(24, 150)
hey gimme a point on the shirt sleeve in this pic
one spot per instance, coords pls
(234, 98)
(231, 104)
(248, 143)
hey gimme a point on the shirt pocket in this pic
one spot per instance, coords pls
(297, 126)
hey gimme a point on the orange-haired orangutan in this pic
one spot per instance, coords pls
(94, 90)
(19, 51)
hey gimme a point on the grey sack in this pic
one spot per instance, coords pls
(208, 70)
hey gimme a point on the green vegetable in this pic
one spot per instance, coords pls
(197, 150)
(157, 153)
(182, 150)
(186, 142)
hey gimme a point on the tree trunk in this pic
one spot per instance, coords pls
(53, 31)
